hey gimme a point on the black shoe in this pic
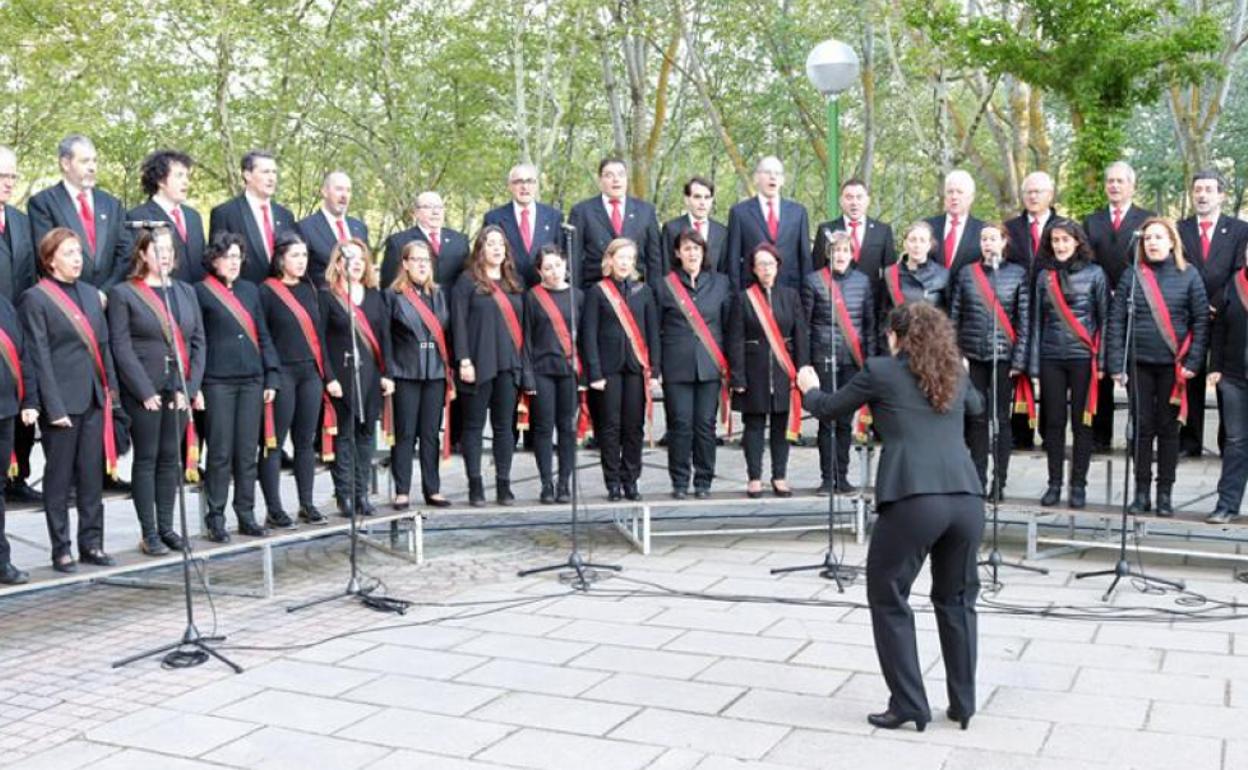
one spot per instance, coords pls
(1141, 503)
(217, 532)
(97, 557)
(365, 507)
(954, 716)
(547, 497)
(1165, 507)
(701, 493)
(344, 508)
(65, 564)
(1221, 516)
(1102, 447)
(12, 576)
(890, 721)
(1052, 495)
(476, 492)
(754, 494)
(278, 520)
(152, 545)
(502, 492)
(679, 493)
(824, 489)
(248, 526)
(117, 486)
(172, 540)
(21, 492)
(778, 492)
(308, 514)
(844, 487)
(1078, 497)
(437, 502)
(1194, 452)
(401, 505)
(630, 492)
(614, 495)
(562, 493)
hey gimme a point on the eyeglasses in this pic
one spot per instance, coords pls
(8, 177)
(524, 181)
(419, 260)
(432, 208)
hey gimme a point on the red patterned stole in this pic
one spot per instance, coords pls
(176, 340)
(243, 317)
(329, 418)
(564, 335)
(431, 322)
(1024, 396)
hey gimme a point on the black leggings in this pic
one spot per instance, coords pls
(297, 411)
(497, 396)
(555, 407)
(1155, 418)
(418, 408)
(978, 433)
(1064, 390)
(840, 431)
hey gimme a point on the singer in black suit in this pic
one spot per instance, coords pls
(699, 201)
(930, 501)
(753, 220)
(166, 179)
(595, 220)
(10, 403)
(525, 212)
(105, 243)
(874, 245)
(329, 225)
(17, 273)
(245, 215)
(449, 247)
(956, 226)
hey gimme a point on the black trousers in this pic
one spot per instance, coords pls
(691, 408)
(75, 460)
(1103, 422)
(157, 445)
(1156, 419)
(1234, 396)
(297, 412)
(6, 446)
(417, 422)
(777, 441)
(555, 409)
(619, 413)
(352, 470)
(23, 443)
(235, 423)
(978, 433)
(841, 430)
(498, 396)
(949, 527)
(1064, 391)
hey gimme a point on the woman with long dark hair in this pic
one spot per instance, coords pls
(1170, 334)
(929, 500)
(488, 337)
(292, 312)
(1066, 351)
(145, 347)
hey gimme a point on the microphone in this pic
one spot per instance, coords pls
(145, 224)
(568, 227)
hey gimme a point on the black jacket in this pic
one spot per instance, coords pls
(1227, 240)
(448, 263)
(603, 342)
(58, 359)
(321, 240)
(234, 216)
(542, 348)
(143, 356)
(593, 232)
(929, 282)
(480, 334)
(1087, 292)
(754, 366)
(967, 250)
(190, 252)
(17, 255)
(685, 358)
(414, 351)
(288, 337)
(924, 451)
(9, 405)
(974, 318)
(820, 316)
(547, 229)
(747, 228)
(1112, 247)
(231, 354)
(1019, 231)
(338, 343)
(1228, 348)
(1184, 295)
(716, 242)
(52, 207)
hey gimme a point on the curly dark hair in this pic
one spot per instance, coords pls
(927, 337)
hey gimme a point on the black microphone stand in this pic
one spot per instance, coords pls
(831, 568)
(994, 559)
(355, 413)
(580, 573)
(193, 648)
(1122, 568)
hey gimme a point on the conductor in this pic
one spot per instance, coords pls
(929, 499)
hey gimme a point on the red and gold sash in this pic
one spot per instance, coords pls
(775, 339)
(892, 279)
(564, 335)
(365, 332)
(431, 322)
(516, 331)
(244, 319)
(329, 418)
(13, 362)
(852, 340)
(1024, 396)
(1165, 324)
(632, 333)
(703, 332)
(62, 302)
(1092, 343)
(175, 339)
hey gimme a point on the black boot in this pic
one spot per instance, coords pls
(502, 492)
(1141, 503)
(1078, 497)
(563, 492)
(631, 492)
(217, 532)
(1052, 495)
(1165, 507)
(614, 495)
(547, 497)
(476, 492)
(247, 526)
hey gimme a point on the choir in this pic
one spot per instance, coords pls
(273, 329)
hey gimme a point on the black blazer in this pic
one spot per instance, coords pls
(190, 251)
(1227, 240)
(546, 230)
(479, 333)
(603, 342)
(288, 338)
(17, 255)
(231, 356)
(716, 242)
(1019, 231)
(1112, 249)
(53, 208)
(685, 358)
(747, 228)
(12, 325)
(321, 240)
(414, 351)
(338, 343)
(924, 451)
(1228, 347)
(144, 359)
(57, 357)
(234, 216)
(753, 364)
(593, 233)
(968, 245)
(448, 262)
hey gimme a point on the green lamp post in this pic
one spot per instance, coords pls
(832, 68)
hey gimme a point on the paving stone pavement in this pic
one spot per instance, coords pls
(692, 658)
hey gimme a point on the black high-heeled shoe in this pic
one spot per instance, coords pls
(963, 722)
(887, 720)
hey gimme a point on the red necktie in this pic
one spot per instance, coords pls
(342, 230)
(526, 230)
(1035, 236)
(617, 220)
(773, 224)
(1117, 223)
(951, 240)
(176, 213)
(853, 237)
(88, 219)
(1204, 240)
(435, 242)
(268, 227)
(701, 228)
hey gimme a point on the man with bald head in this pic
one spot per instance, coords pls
(528, 225)
(450, 247)
(768, 218)
(955, 233)
(328, 225)
(253, 215)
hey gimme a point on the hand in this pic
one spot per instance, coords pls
(180, 402)
(531, 393)
(656, 383)
(1015, 373)
(269, 395)
(738, 390)
(1186, 373)
(103, 300)
(1214, 378)
(807, 378)
(387, 386)
(29, 416)
(198, 402)
(152, 404)
(598, 384)
(1100, 375)
(334, 389)
(1121, 379)
(467, 372)
(63, 422)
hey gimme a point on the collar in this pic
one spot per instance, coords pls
(255, 202)
(165, 204)
(73, 192)
(516, 208)
(606, 204)
(333, 221)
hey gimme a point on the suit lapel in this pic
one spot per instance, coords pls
(599, 212)
(254, 237)
(69, 212)
(754, 207)
(103, 230)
